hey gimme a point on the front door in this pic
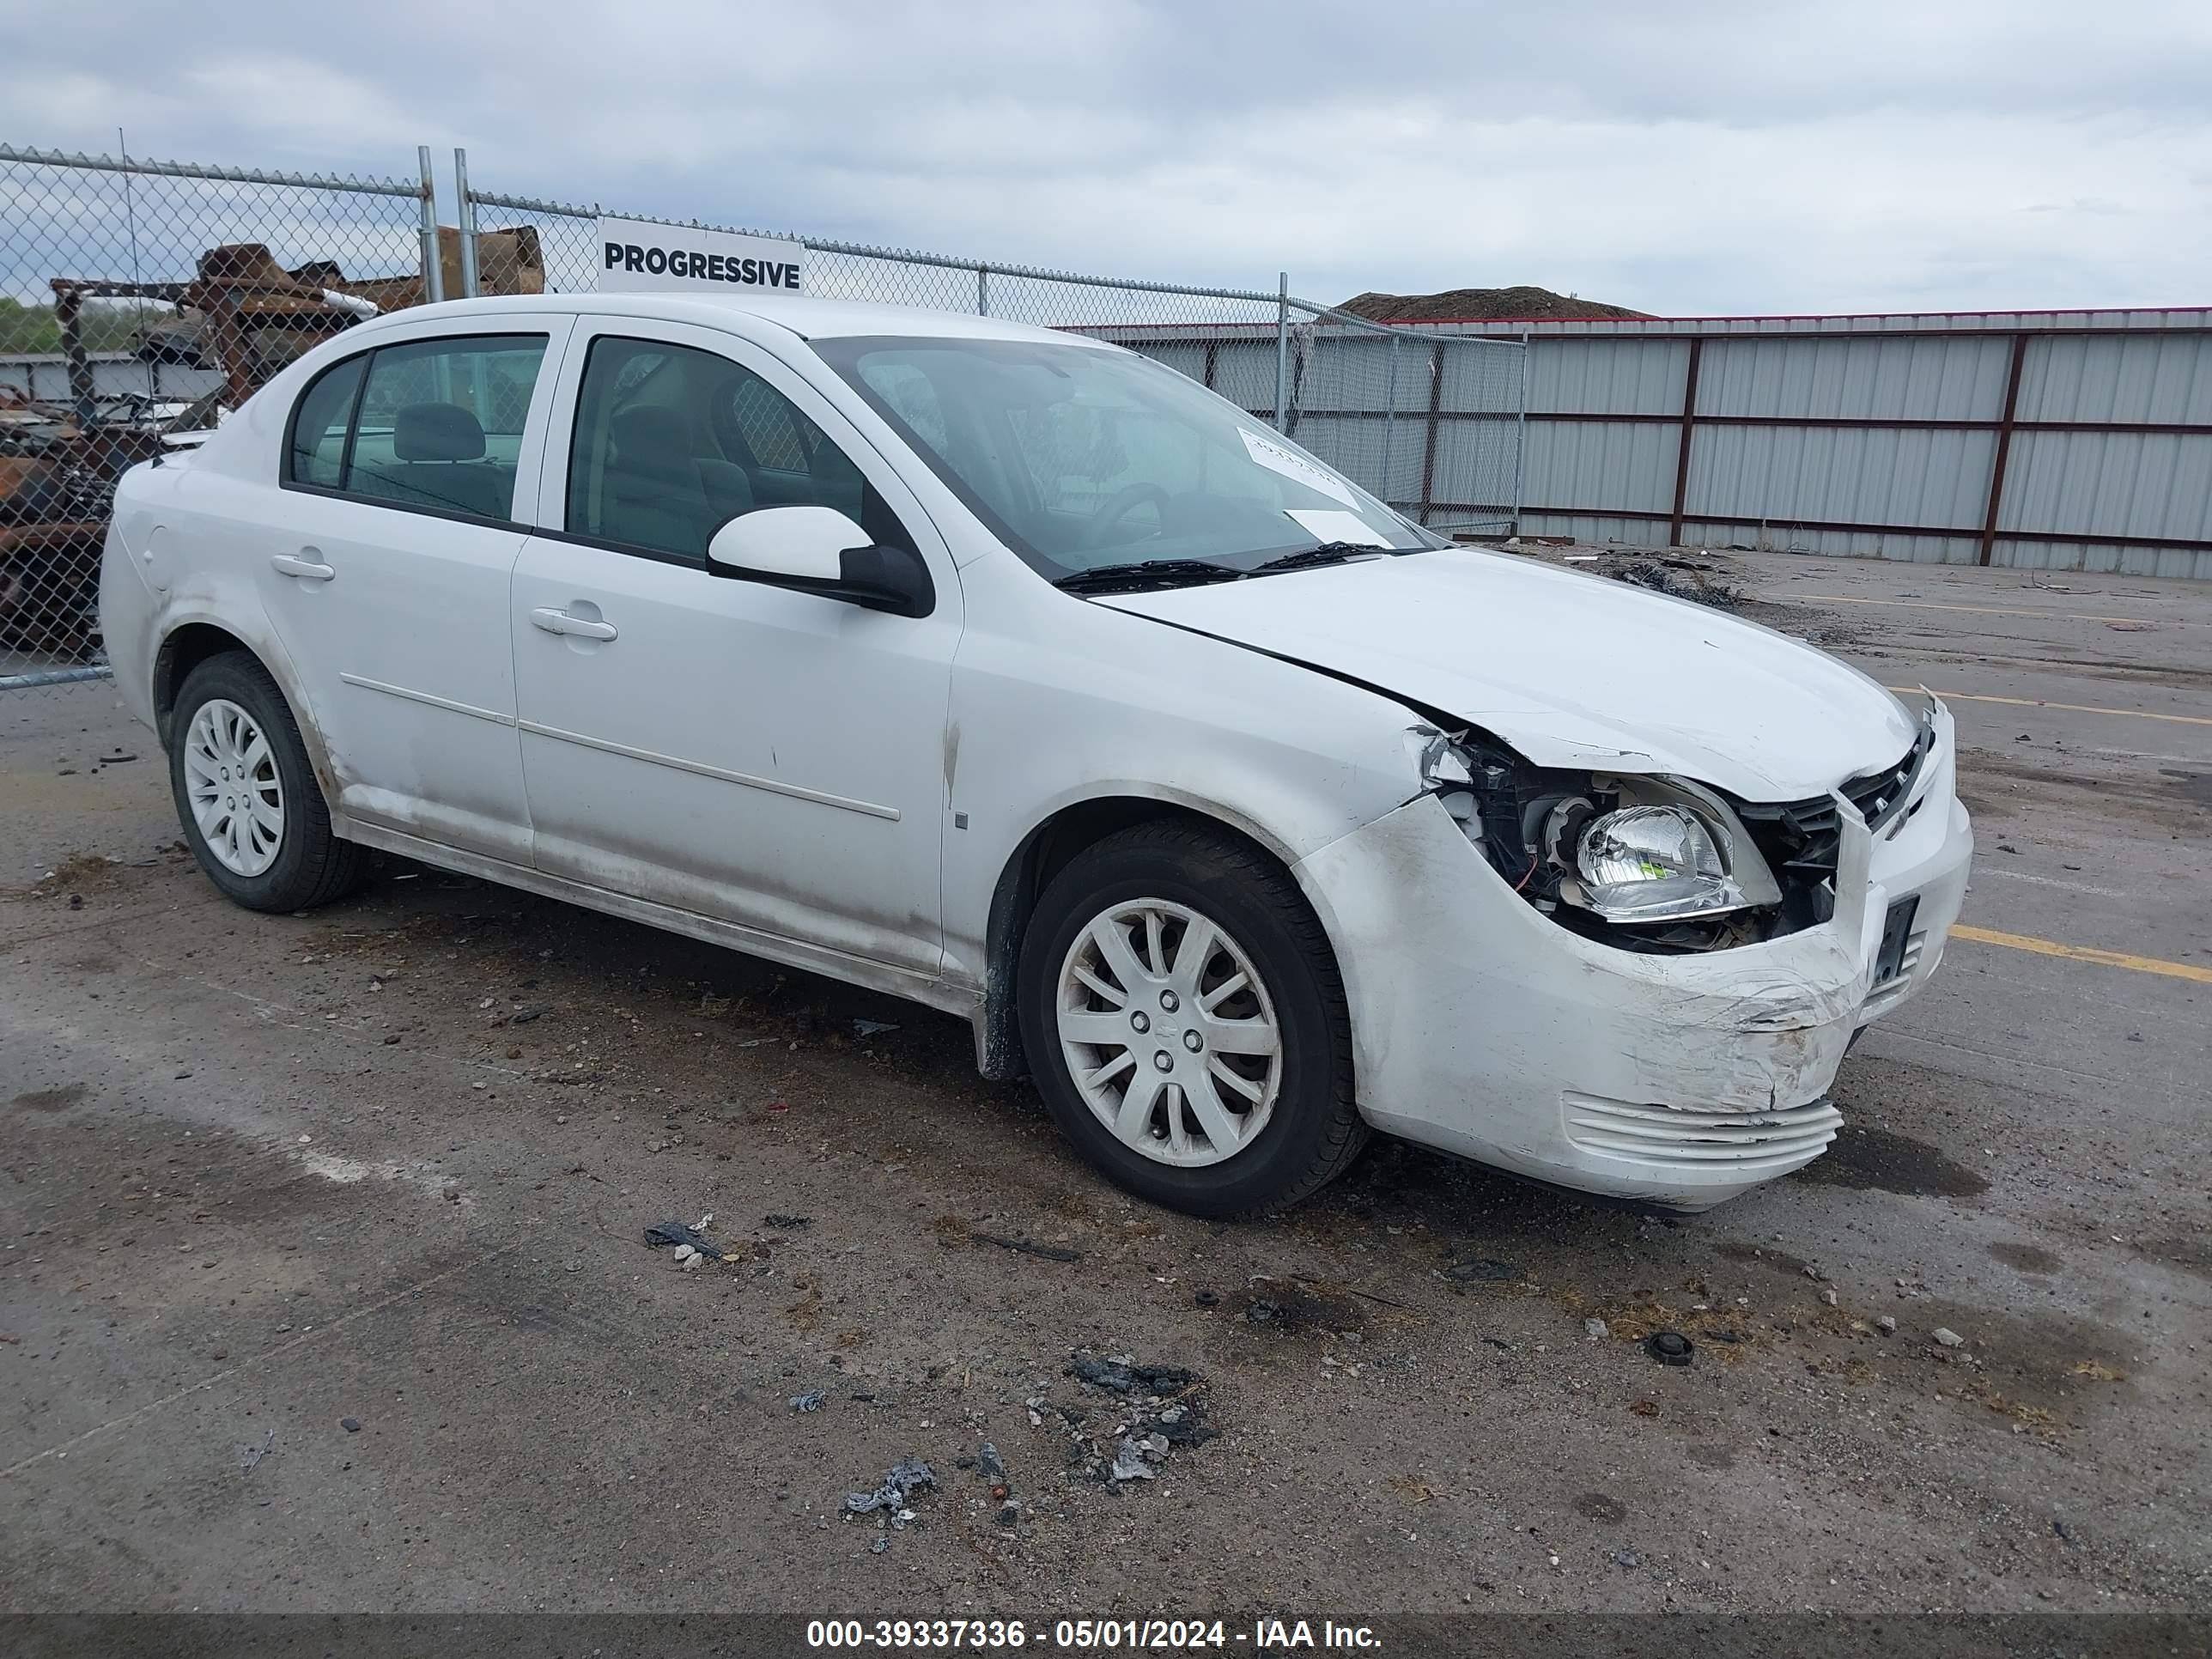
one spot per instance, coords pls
(385, 567)
(768, 758)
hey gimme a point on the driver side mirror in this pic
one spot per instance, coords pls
(819, 549)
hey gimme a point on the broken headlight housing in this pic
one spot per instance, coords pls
(1646, 863)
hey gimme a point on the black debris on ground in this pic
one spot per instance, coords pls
(678, 1233)
(1482, 1270)
(1125, 1376)
(906, 1478)
(1677, 579)
(1025, 1246)
(1160, 1407)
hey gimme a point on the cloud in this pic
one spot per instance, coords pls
(1708, 156)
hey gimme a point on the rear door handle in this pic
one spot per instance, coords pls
(306, 570)
(560, 621)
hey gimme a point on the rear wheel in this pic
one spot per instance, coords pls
(1185, 1020)
(246, 796)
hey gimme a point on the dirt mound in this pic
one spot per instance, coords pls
(1466, 302)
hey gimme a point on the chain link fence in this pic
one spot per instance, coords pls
(141, 300)
(1430, 421)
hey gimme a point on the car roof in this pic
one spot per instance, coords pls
(805, 315)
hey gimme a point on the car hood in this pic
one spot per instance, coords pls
(1572, 670)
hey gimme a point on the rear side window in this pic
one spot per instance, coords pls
(320, 421)
(434, 425)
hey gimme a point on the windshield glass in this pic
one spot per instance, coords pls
(1080, 459)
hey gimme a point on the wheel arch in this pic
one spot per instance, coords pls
(191, 641)
(1039, 856)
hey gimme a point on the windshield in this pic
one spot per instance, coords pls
(1082, 459)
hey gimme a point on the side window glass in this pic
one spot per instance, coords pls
(767, 425)
(634, 474)
(788, 461)
(320, 421)
(672, 442)
(441, 423)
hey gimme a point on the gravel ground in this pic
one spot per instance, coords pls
(324, 1285)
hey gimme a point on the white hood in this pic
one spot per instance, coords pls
(1573, 671)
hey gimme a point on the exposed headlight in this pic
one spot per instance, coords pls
(1628, 857)
(1653, 864)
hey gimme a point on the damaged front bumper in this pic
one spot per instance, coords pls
(1483, 1028)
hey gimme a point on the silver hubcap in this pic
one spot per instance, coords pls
(230, 775)
(1169, 1034)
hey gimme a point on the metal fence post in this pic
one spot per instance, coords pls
(1435, 422)
(1390, 419)
(983, 290)
(1998, 461)
(1682, 449)
(433, 274)
(1283, 352)
(1520, 437)
(464, 216)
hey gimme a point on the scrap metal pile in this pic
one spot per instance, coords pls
(244, 316)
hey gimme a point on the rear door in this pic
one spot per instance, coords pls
(386, 565)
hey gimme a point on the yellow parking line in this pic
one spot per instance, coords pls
(2046, 947)
(2072, 708)
(1997, 610)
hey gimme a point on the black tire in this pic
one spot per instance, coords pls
(313, 867)
(1314, 1130)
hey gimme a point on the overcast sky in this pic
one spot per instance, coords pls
(1697, 157)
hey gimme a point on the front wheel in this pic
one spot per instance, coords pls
(1184, 1017)
(246, 796)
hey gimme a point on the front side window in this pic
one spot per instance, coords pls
(431, 424)
(1080, 457)
(672, 442)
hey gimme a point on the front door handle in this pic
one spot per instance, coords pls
(560, 621)
(306, 570)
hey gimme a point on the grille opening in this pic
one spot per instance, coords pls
(1800, 839)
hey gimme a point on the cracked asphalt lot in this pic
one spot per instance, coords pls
(325, 1287)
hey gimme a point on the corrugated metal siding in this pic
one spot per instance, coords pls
(2091, 377)
(1244, 373)
(1910, 491)
(1936, 379)
(1625, 377)
(1852, 474)
(2109, 483)
(1598, 465)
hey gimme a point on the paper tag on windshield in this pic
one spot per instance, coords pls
(1328, 524)
(1295, 467)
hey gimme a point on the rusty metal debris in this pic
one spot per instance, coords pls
(244, 315)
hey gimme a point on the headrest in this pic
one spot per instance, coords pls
(436, 432)
(655, 442)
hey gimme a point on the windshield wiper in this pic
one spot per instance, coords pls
(1155, 572)
(1327, 553)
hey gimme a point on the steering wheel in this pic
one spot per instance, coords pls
(1118, 506)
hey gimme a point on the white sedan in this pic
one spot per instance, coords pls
(1010, 672)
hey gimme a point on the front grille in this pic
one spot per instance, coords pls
(1666, 1134)
(1880, 796)
(1800, 839)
